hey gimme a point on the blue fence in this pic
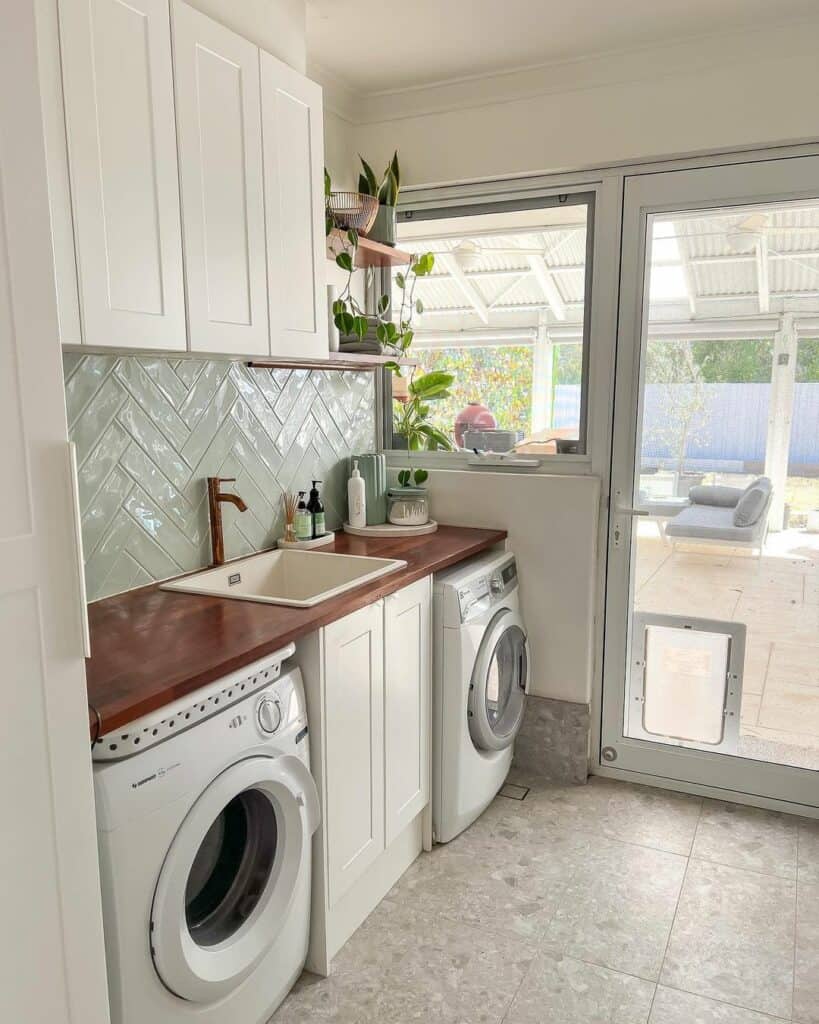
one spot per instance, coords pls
(734, 422)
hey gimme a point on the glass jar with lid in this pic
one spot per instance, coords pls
(408, 506)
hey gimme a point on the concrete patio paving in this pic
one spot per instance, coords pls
(777, 598)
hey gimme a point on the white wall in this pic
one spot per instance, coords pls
(552, 526)
(278, 26)
(750, 89)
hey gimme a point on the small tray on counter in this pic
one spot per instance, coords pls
(314, 542)
(391, 530)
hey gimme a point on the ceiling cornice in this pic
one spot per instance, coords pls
(688, 56)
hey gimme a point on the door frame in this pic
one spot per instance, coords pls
(760, 177)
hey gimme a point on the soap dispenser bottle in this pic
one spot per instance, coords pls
(316, 509)
(356, 498)
(303, 520)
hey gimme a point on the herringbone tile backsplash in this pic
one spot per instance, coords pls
(149, 431)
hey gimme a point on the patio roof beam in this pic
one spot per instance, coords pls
(763, 280)
(547, 285)
(467, 288)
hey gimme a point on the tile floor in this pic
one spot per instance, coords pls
(600, 904)
(778, 600)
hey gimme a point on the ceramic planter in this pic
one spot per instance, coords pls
(383, 229)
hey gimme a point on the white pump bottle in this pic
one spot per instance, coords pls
(356, 498)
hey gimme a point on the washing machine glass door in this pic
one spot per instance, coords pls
(230, 875)
(498, 684)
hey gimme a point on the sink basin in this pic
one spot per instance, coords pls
(298, 579)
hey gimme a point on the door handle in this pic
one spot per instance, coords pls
(624, 510)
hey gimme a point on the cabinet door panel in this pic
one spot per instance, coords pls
(294, 190)
(407, 678)
(354, 746)
(220, 165)
(118, 88)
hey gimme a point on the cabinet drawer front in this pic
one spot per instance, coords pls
(218, 109)
(293, 165)
(407, 679)
(118, 88)
(354, 746)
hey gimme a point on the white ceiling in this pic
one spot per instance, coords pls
(393, 44)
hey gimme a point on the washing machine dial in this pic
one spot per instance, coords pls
(269, 714)
(496, 585)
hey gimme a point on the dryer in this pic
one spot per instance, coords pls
(481, 671)
(205, 812)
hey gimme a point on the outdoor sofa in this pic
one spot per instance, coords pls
(730, 516)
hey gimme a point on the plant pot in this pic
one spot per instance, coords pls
(383, 229)
(399, 442)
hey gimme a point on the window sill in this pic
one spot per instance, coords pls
(550, 465)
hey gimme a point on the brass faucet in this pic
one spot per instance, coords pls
(215, 497)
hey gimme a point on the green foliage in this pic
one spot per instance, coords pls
(387, 190)
(416, 476)
(411, 418)
(748, 360)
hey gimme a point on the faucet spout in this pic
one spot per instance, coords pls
(215, 498)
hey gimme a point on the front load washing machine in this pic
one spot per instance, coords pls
(205, 814)
(481, 676)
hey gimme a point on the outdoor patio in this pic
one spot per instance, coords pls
(777, 597)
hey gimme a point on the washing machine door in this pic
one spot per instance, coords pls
(499, 681)
(230, 875)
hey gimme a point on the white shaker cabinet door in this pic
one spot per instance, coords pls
(354, 746)
(220, 170)
(407, 680)
(119, 101)
(294, 200)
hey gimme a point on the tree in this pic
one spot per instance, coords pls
(683, 417)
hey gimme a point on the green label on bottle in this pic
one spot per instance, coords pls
(304, 526)
(318, 524)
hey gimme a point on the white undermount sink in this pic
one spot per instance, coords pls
(298, 579)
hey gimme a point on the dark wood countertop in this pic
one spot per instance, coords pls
(151, 646)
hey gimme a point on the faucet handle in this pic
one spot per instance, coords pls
(226, 479)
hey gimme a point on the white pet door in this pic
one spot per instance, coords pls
(499, 682)
(686, 681)
(229, 877)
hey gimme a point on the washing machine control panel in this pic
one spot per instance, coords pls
(481, 592)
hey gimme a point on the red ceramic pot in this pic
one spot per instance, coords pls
(474, 417)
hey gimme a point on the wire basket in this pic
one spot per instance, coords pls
(352, 210)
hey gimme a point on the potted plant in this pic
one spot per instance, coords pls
(386, 191)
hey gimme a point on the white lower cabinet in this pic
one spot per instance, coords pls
(367, 678)
(353, 746)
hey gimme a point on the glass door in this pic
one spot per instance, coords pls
(711, 670)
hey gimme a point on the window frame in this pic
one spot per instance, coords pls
(472, 199)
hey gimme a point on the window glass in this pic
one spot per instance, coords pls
(503, 311)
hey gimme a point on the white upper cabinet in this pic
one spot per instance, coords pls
(218, 114)
(118, 89)
(294, 191)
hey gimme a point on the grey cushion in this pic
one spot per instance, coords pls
(715, 494)
(710, 522)
(753, 503)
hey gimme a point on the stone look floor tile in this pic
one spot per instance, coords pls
(659, 819)
(428, 968)
(618, 909)
(806, 982)
(808, 850)
(747, 837)
(733, 938)
(495, 875)
(674, 1007)
(568, 991)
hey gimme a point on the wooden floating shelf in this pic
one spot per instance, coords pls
(369, 253)
(334, 361)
